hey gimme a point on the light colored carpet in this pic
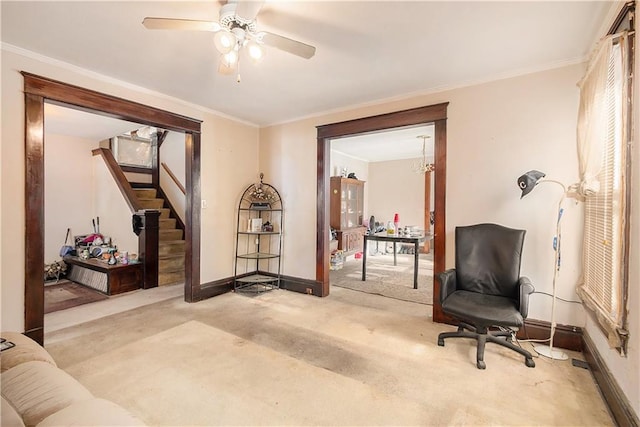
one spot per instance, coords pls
(386, 279)
(291, 359)
(202, 374)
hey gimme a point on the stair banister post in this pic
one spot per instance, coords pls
(148, 222)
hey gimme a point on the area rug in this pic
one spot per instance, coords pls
(383, 278)
(66, 294)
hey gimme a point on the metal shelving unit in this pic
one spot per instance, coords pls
(258, 239)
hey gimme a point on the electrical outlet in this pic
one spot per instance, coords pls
(204, 204)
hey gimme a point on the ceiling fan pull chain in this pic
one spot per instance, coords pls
(238, 78)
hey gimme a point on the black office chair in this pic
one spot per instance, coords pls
(485, 289)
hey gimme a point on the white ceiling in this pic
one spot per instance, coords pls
(67, 121)
(396, 144)
(367, 51)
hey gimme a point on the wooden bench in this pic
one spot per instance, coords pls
(108, 279)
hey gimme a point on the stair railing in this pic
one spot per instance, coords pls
(145, 222)
(120, 178)
(174, 178)
(168, 200)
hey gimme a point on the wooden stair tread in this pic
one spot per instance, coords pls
(171, 256)
(170, 278)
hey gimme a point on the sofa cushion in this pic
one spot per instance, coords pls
(8, 416)
(25, 350)
(38, 389)
(96, 412)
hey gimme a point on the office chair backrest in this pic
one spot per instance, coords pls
(488, 259)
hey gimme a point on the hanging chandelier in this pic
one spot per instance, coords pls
(422, 165)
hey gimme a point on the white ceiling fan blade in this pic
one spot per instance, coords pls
(288, 45)
(248, 10)
(180, 24)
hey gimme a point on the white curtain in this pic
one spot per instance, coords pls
(592, 117)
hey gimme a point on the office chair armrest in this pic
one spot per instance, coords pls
(526, 289)
(447, 283)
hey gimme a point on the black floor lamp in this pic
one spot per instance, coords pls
(527, 183)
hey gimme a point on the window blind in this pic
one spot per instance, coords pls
(602, 289)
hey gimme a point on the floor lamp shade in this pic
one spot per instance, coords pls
(528, 181)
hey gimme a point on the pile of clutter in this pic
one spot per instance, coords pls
(97, 246)
(55, 270)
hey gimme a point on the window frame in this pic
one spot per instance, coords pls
(624, 21)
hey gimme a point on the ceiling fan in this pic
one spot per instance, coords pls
(235, 30)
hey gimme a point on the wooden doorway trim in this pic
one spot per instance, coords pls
(39, 90)
(436, 114)
(427, 210)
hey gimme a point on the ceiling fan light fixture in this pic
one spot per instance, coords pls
(235, 30)
(225, 69)
(225, 41)
(230, 59)
(255, 51)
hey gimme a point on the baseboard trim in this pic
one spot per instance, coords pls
(566, 336)
(616, 401)
(290, 283)
(303, 286)
(215, 288)
(36, 334)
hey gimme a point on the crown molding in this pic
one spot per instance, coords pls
(116, 82)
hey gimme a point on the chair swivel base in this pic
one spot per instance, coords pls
(482, 336)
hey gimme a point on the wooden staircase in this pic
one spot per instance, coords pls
(172, 246)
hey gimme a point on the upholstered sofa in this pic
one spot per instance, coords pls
(35, 392)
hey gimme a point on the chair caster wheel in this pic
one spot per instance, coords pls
(530, 363)
(441, 342)
(481, 364)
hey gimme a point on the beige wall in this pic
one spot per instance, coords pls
(229, 164)
(172, 153)
(395, 188)
(68, 191)
(496, 132)
(110, 205)
(230, 167)
(357, 166)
